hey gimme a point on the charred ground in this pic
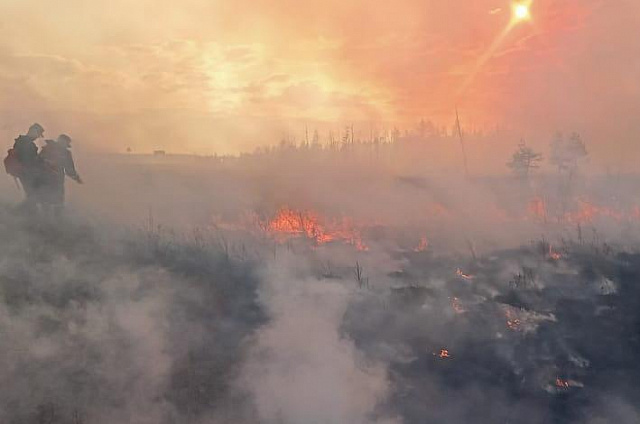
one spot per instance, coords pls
(523, 338)
(144, 327)
(364, 296)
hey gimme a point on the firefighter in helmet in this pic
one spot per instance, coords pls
(26, 162)
(57, 163)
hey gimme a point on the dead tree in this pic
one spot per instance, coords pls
(360, 277)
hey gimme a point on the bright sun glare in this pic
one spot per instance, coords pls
(521, 12)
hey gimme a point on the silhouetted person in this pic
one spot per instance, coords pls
(26, 153)
(57, 163)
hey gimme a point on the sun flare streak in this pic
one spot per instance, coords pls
(520, 12)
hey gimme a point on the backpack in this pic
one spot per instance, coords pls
(12, 164)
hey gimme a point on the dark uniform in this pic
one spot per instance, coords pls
(27, 154)
(57, 162)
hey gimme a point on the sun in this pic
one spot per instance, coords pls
(521, 12)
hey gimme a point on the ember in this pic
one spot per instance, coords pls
(444, 353)
(554, 254)
(513, 322)
(457, 307)
(563, 384)
(464, 276)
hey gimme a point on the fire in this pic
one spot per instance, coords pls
(457, 306)
(513, 322)
(563, 384)
(444, 354)
(464, 276)
(588, 212)
(556, 256)
(585, 212)
(290, 223)
(538, 208)
(422, 246)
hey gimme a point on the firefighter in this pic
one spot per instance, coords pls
(26, 163)
(57, 162)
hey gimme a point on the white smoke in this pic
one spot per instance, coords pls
(301, 369)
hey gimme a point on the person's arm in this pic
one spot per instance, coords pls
(70, 169)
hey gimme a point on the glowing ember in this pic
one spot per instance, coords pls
(290, 223)
(422, 246)
(553, 254)
(464, 276)
(513, 322)
(444, 354)
(563, 384)
(457, 306)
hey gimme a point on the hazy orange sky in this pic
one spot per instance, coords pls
(226, 76)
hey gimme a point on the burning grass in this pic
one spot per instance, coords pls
(289, 223)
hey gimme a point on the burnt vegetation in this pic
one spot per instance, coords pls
(545, 343)
(420, 287)
(147, 328)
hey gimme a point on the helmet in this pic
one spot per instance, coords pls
(64, 140)
(35, 131)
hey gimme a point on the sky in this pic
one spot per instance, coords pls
(205, 76)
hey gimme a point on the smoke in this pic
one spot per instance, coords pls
(98, 331)
(176, 290)
(301, 368)
(355, 274)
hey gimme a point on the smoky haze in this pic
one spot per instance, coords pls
(211, 77)
(283, 220)
(351, 283)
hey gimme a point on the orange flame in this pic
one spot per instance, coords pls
(585, 213)
(588, 212)
(290, 223)
(464, 276)
(556, 256)
(563, 384)
(444, 353)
